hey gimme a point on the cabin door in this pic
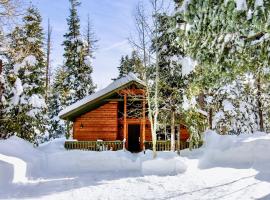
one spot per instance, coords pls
(134, 137)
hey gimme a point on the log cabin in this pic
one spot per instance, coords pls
(114, 115)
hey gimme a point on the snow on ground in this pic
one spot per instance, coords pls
(226, 167)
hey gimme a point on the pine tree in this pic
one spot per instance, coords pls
(78, 82)
(5, 88)
(91, 39)
(235, 110)
(73, 81)
(28, 107)
(56, 102)
(229, 41)
(130, 64)
(171, 81)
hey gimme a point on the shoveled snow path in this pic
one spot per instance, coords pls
(214, 183)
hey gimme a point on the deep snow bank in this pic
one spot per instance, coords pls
(163, 167)
(109, 161)
(20, 161)
(243, 151)
(60, 160)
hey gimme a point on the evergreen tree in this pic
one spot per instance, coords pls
(56, 102)
(90, 37)
(5, 88)
(78, 82)
(5, 91)
(228, 41)
(73, 81)
(171, 81)
(27, 104)
(235, 112)
(130, 64)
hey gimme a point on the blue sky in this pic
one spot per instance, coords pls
(112, 21)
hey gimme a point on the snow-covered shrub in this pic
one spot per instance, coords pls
(195, 119)
(235, 108)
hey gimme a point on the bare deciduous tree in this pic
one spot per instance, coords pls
(49, 33)
(146, 37)
(10, 9)
(90, 37)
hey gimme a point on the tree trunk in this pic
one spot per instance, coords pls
(179, 141)
(260, 111)
(156, 104)
(210, 118)
(48, 60)
(154, 137)
(1, 86)
(173, 130)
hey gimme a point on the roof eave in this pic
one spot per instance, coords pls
(69, 115)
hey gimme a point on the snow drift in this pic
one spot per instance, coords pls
(243, 151)
(20, 162)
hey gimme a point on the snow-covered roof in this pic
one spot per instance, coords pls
(117, 84)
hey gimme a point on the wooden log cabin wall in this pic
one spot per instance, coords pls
(110, 121)
(98, 124)
(118, 112)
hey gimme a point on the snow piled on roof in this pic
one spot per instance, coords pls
(113, 86)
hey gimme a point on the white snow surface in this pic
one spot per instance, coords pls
(218, 116)
(225, 167)
(113, 86)
(17, 91)
(188, 65)
(30, 60)
(258, 3)
(37, 101)
(241, 5)
(188, 104)
(183, 8)
(88, 61)
(228, 106)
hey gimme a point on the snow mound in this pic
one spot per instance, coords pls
(20, 162)
(163, 167)
(53, 146)
(243, 151)
(77, 161)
